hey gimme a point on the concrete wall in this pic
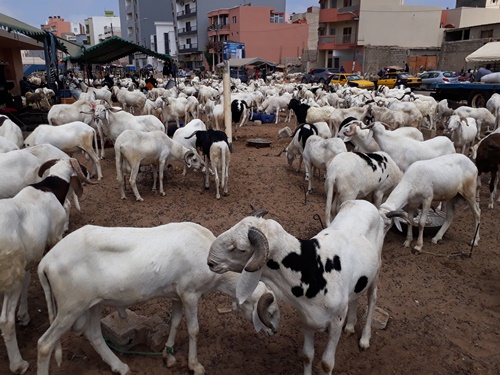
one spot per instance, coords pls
(453, 54)
(389, 23)
(467, 17)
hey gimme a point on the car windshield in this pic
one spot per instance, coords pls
(406, 75)
(354, 77)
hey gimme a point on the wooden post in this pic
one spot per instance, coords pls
(226, 91)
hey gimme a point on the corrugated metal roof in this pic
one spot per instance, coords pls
(12, 24)
(112, 49)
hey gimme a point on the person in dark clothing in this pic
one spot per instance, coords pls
(25, 86)
(407, 68)
(151, 82)
(108, 81)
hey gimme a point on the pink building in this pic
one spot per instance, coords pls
(57, 26)
(264, 32)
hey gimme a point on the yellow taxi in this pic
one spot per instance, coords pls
(353, 80)
(393, 79)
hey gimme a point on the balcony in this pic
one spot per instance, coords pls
(188, 48)
(331, 42)
(188, 30)
(218, 29)
(339, 14)
(189, 13)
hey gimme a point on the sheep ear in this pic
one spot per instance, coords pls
(76, 185)
(247, 283)
(257, 323)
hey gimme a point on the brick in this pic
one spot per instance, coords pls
(380, 318)
(122, 332)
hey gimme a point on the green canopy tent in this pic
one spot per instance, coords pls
(112, 49)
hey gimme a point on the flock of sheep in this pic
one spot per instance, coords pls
(256, 261)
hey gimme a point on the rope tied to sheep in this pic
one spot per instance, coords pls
(169, 349)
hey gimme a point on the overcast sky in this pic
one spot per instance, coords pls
(36, 12)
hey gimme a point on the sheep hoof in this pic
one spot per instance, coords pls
(162, 193)
(19, 368)
(490, 205)
(407, 243)
(417, 250)
(139, 199)
(23, 320)
(206, 187)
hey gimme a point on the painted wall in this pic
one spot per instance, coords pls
(466, 17)
(270, 41)
(388, 23)
(57, 26)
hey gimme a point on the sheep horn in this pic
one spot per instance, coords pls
(281, 152)
(262, 309)
(261, 253)
(76, 167)
(258, 212)
(399, 213)
(188, 155)
(48, 164)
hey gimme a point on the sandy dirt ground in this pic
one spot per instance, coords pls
(444, 309)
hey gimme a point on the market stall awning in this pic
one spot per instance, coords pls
(488, 52)
(112, 49)
(11, 24)
(247, 61)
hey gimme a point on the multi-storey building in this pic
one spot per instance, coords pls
(192, 25)
(57, 26)
(364, 35)
(261, 28)
(99, 28)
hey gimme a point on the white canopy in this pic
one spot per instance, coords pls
(489, 52)
(247, 61)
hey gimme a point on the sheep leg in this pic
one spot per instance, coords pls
(94, 335)
(8, 326)
(225, 177)
(23, 317)
(364, 342)
(161, 168)
(308, 350)
(493, 187)
(469, 196)
(95, 159)
(334, 331)
(329, 198)
(409, 231)
(153, 169)
(216, 177)
(351, 317)
(133, 178)
(426, 206)
(168, 352)
(207, 175)
(450, 213)
(309, 176)
(191, 312)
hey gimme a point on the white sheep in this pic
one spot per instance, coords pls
(493, 105)
(134, 148)
(166, 261)
(133, 101)
(174, 109)
(7, 145)
(321, 278)
(447, 178)
(405, 151)
(11, 131)
(180, 135)
(462, 132)
(153, 107)
(32, 221)
(71, 138)
(482, 116)
(395, 118)
(318, 153)
(356, 175)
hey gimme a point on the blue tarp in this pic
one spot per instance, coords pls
(262, 117)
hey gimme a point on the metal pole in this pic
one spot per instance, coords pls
(227, 103)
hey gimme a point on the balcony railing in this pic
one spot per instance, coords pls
(328, 42)
(190, 12)
(187, 30)
(351, 9)
(192, 47)
(218, 27)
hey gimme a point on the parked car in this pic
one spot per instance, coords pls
(393, 79)
(353, 80)
(431, 78)
(239, 73)
(319, 75)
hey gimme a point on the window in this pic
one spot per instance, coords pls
(188, 26)
(277, 18)
(129, 17)
(347, 33)
(234, 19)
(347, 3)
(332, 31)
(487, 33)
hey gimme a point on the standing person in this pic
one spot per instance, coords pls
(482, 72)
(407, 68)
